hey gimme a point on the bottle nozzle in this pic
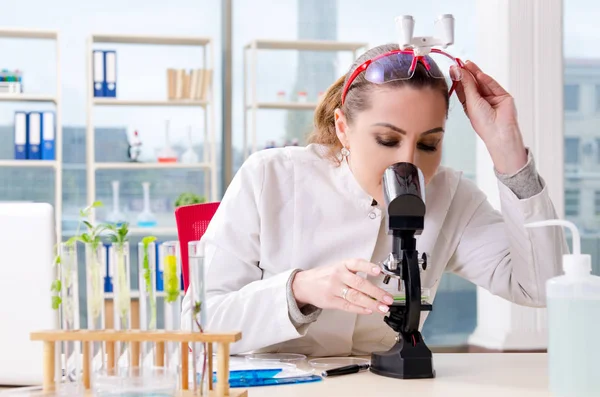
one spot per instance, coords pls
(576, 263)
(561, 222)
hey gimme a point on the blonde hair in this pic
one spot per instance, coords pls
(357, 97)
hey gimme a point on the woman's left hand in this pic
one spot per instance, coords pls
(493, 115)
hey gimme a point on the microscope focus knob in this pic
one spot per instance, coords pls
(423, 261)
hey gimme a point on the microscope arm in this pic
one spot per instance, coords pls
(412, 286)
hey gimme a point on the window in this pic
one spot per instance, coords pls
(572, 150)
(455, 313)
(572, 97)
(572, 202)
(141, 74)
(597, 202)
(582, 195)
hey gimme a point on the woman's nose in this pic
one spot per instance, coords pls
(406, 154)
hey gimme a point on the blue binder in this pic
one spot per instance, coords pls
(98, 73)
(110, 74)
(48, 135)
(34, 134)
(20, 133)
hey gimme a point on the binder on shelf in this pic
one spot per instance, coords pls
(98, 65)
(195, 75)
(34, 128)
(171, 78)
(48, 135)
(195, 84)
(186, 86)
(207, 75)
(110, 74)
(20, 132)
(179, 84)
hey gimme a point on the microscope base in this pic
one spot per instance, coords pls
(404, 361)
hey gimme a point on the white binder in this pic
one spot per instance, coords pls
(98, 65)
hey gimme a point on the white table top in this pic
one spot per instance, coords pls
(461, 374)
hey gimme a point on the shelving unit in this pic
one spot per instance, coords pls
(126, 102)
(209, 163)
(250, 60)
(29, 163)
(139, 231)
(34, 34)
(147, 166)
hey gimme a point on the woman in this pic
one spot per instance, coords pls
(291, 252)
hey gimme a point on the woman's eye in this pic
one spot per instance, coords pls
(388, 143)
(426, 148)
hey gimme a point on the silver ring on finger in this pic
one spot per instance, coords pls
(344, 292)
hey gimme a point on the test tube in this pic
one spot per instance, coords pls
(70, 309)
(172, 289)
(122, 298)
(147, 287)
(198, 315)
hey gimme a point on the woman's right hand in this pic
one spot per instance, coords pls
(324, 287)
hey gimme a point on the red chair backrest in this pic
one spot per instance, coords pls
(192, 221)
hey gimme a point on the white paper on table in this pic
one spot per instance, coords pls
(288, 370)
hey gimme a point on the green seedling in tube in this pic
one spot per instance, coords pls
(170, 278)
(118, 237)
(92, 236)
(147, 281)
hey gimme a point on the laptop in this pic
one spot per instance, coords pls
(27, 240)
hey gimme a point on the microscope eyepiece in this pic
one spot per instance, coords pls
(404, 195)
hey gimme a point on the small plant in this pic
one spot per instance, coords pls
(92, 236)
(118, 237)
(170, 279)
(189, 198)
(196, 309)
(147, 280)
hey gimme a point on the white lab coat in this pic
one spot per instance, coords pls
(291, 208)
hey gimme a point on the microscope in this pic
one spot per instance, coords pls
(409, 358)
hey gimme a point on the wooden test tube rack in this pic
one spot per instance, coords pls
(109, 337)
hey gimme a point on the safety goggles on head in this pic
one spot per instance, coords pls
(401, 65)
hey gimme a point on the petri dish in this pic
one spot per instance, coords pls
(326, 363)
(291, 358)
(135, 381)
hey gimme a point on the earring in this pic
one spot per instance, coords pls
(345, 152)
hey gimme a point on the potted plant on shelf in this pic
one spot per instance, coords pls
(189, 198)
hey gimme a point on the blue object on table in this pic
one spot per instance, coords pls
(264, 377)
(273, 381)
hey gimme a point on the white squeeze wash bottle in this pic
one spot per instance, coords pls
(573, 302)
